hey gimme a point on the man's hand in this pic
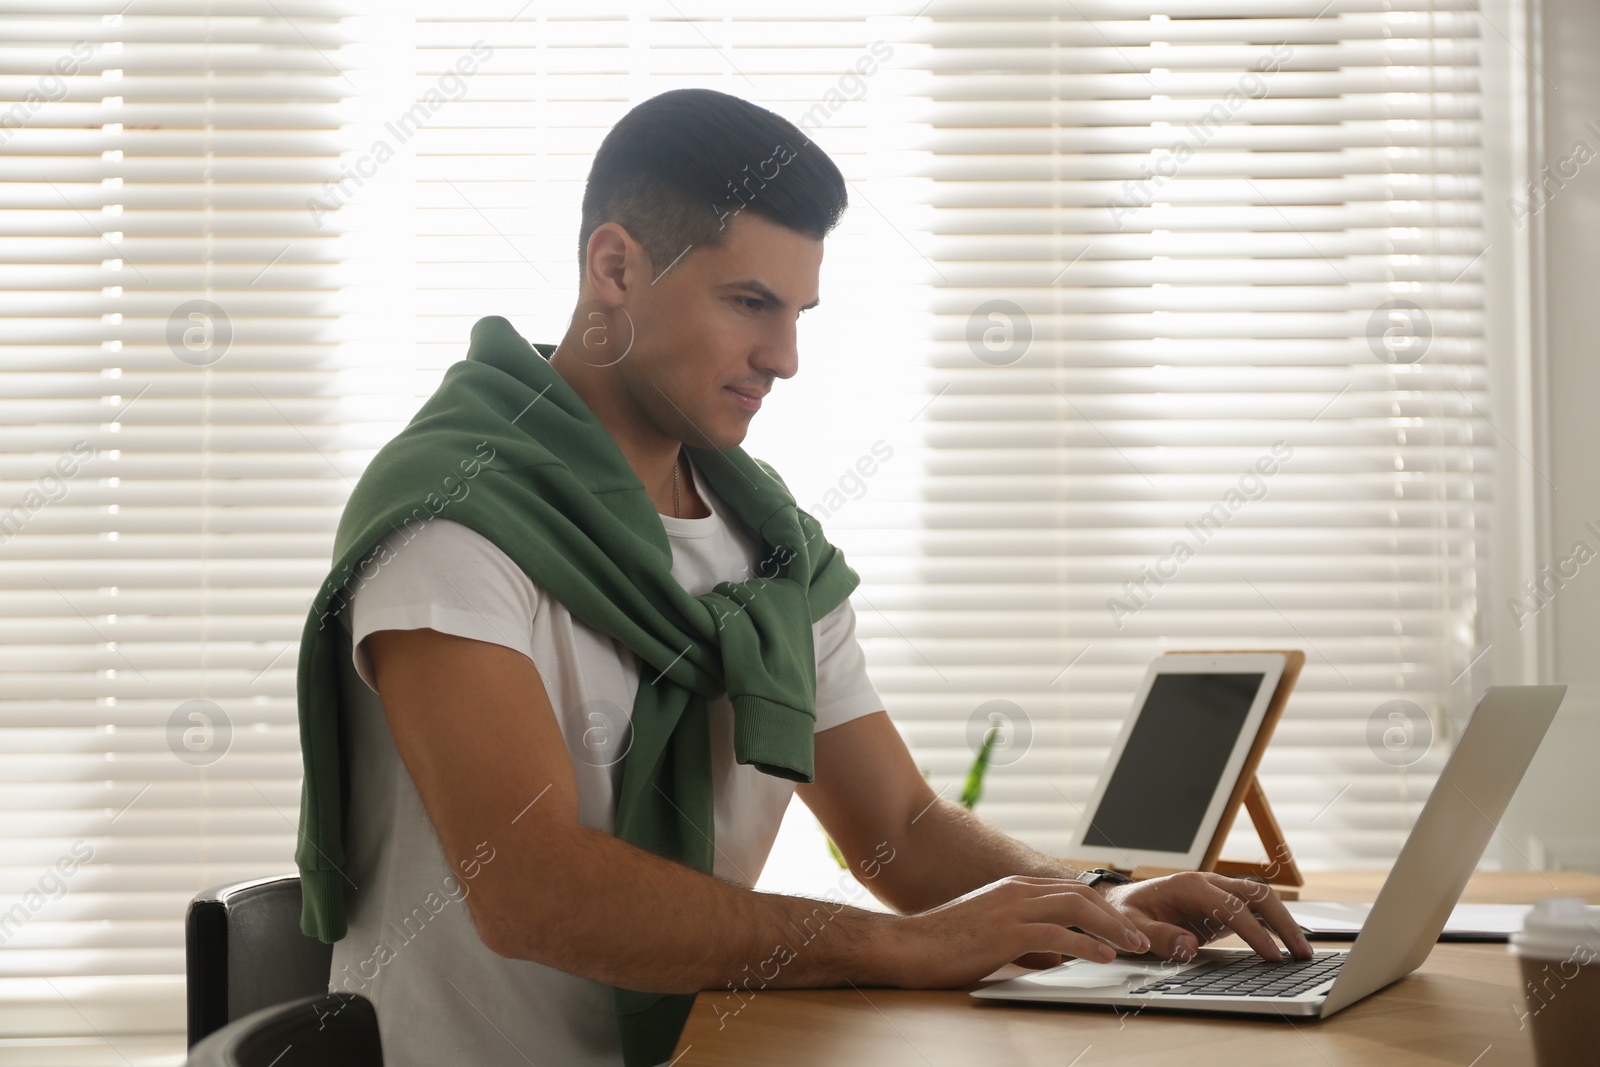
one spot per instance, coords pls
(1036, 921)
(1015, 918)
(1180, 912)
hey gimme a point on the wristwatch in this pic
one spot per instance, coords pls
(1100, 874)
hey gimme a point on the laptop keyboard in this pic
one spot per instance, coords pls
(1249, 976)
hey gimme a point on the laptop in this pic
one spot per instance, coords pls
(1423, 886)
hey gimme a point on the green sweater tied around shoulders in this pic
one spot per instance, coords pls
(506, 447)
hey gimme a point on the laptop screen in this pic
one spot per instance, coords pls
(1177, 751)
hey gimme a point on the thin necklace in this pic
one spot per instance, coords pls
(676, 513)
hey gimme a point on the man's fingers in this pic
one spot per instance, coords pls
(1215, 905)
(1270, 910)
(1169, 941)
(1133, 937)
(1090, 912)
(1068, 942)
(1224, 909)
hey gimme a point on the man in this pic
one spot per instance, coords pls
(494, 905)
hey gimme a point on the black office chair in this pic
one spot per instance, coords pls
(328, 1030)
(244, 951)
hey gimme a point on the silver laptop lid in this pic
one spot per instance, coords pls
(1447, 839)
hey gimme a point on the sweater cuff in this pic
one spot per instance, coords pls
(775, 737)
(322, 904)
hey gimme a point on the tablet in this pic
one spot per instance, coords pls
(1179, 756)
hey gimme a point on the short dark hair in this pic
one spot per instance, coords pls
(676, 168)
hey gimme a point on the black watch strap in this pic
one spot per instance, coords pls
(1100, 874)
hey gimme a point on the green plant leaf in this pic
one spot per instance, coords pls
(833, 848)
(980, 766)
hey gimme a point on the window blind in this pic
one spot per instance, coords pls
(1205, 342)
(179, 430)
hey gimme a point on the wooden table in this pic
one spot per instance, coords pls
(1460, 1008)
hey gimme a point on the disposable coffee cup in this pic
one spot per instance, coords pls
(1559, 950)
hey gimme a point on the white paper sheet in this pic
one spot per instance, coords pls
(1478, 921)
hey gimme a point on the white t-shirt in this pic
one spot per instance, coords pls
(441, 995)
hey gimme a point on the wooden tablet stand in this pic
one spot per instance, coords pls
(1279, 870)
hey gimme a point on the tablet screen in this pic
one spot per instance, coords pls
(1168, 773)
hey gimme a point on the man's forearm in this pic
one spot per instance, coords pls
(947, 851)
(613, 913)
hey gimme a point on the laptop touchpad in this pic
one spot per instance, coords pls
(1086, 974)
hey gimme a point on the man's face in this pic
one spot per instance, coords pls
(716, 321)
